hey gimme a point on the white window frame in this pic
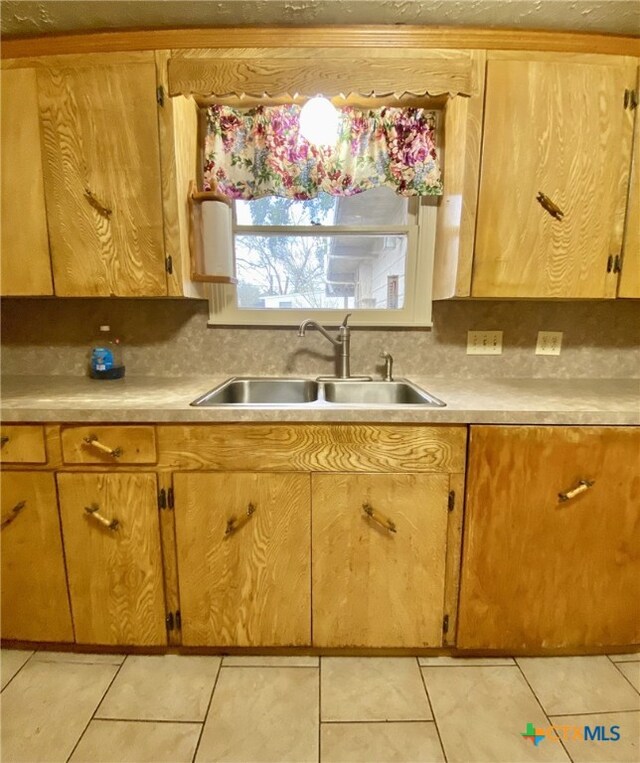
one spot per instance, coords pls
(416, 311)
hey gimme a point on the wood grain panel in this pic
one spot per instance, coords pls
(35, 605)
(135, 444)
(560, 129)
(100, 130)
(303, 75)
(313, 447)
(115, 576)
(372, 587)
(251, 587)
(539, 573)
(629, 285)
(24, 248)
(322, 37)
(22, 444)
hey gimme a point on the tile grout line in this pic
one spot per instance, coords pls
(145, 720)
(206, 715)
(18, 671)
(599, 712)
(624, 675)
(433, 715)
(93, 715)
(383, 723)
(526, 680)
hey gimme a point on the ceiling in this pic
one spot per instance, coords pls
(24, 17)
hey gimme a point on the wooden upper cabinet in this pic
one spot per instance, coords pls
(115, 573)
(551, 555)
(630, 275)
(24, 262)
(102, 179)
(557, 128)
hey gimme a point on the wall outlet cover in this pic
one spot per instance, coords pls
(549, 343)
(484, 342)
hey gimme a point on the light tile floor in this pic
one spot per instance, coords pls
(66, 707)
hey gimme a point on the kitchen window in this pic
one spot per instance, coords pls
(368, 251)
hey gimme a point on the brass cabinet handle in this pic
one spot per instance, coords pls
(234, 524)
(92, 440)
(379, 518)
(553, 209)
(581, 487)
(13, 514)
(100, 208)
(94, 511)
(3, 440)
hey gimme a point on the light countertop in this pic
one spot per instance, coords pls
(469, 401)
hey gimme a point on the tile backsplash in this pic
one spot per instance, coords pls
(168, 337)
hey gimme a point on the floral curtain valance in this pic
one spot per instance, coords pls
(250, 153)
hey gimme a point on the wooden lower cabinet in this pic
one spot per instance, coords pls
(115, 575)
(35, 605)
(541, 572)
(373, 587)
(243, 544)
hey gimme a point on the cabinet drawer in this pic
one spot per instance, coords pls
(22, 445)
(109, 445)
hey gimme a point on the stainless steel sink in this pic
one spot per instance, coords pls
(261, 391)
(281, 392)
(400, 392)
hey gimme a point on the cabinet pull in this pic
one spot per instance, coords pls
(94, 511)
(581, 487)
(13, 514)
(234, 524)
(100, 208)
(3, 440)
(379, 518)
(92, 440)
(546, 203)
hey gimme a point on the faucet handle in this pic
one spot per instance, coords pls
(346, 318)
(388, 365)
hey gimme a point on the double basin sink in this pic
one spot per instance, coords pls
(248, 391)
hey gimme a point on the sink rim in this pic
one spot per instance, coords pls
(428, 400)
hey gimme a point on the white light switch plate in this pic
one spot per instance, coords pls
(484, 342)
(549, 343)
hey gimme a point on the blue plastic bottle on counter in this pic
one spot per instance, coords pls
(106, 357)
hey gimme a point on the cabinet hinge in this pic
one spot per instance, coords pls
(160, 95)
(178, 620)
(168, 264)
(445, 624)
(451, 503)
(170, 498)
(617, 263)
(630, 99)
(169, 621)
(162, 499)
(609, 263)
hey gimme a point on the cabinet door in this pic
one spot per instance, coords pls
(542, 572)
(243, 558)
(102, 180)
(35, 604)
(373, 587)
(630, 275)
(115, 575)
(26, 267)
(559, 129)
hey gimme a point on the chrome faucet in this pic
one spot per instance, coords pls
(342, 344)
